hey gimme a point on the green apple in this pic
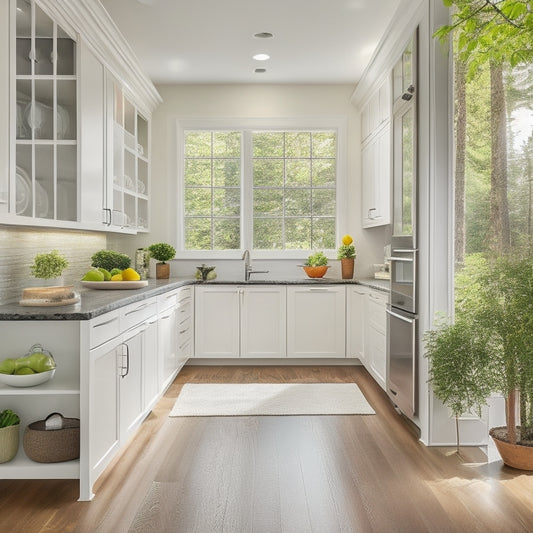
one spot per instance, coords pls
(93, 275)
(106, 273)
(40, 362)
(115, 271)
(24, 371)
(22, 362)
(7, 366)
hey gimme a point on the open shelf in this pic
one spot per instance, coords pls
(23, 468)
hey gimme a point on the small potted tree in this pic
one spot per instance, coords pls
(162, 252)
(49, 266)
(346, 255)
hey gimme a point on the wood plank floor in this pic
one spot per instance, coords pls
(279, 474)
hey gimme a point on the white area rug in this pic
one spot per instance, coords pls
(270, 399)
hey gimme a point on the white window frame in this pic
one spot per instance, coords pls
(338, 124)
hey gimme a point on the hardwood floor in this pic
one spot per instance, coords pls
(279, 474)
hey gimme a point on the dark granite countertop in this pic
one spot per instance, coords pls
(94, 303)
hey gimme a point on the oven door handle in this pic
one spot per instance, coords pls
(400, 317)
(404, 259)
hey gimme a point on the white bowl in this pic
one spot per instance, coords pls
(28, 380)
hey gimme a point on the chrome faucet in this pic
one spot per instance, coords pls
(248, 269)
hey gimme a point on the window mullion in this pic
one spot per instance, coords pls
(247, 191)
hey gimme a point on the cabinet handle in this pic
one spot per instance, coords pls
(140, 308)
(108, 216)
(184, 331)
(166, 317)
(152, 322)
(106, 322)
(127, 360)
(370, 211)
(319, 290)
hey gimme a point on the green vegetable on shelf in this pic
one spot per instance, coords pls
(8, 418)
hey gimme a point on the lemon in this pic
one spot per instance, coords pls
(347, 239)
(116, 277)
(130, 275)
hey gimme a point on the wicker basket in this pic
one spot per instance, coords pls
(9, 442)
(52, 445)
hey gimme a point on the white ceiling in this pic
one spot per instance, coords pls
(211, 41)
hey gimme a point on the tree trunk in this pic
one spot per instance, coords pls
(500, 233)
(460, 156)
(511, 417)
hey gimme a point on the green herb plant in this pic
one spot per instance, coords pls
(317, 259)
(8, 418)
(50, 265)
(162, 251)
(109, 260)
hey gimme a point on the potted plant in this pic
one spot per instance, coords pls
(49, 266)
(346, 254)
(110, 260)
(316, 265)
(162, 252)
(9, 435)
(495, 312)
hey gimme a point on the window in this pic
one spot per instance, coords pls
(270, 190)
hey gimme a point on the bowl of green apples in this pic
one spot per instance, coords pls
(34, 368)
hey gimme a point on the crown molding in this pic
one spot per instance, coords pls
(89, 20)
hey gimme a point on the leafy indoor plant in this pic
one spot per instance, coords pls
(9, 435)
(316, 265)
(110, 260)
(494, 333)
(48, 266)
(346, 255)
(162, 252)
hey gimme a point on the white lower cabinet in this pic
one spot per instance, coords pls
(316, 319)
(150, 364)
(367, 330)
(233, 321)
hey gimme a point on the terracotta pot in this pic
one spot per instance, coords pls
(162, 270)
(347, 264)
(514, 455)
(316, 271)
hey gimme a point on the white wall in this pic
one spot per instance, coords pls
(251, 101)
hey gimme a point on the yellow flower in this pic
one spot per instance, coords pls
(347, 239)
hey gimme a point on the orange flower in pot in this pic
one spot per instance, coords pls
(346, 255)
(316, 265)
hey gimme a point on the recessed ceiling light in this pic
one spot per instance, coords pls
(263, 35)
(260, 70)
(261, 57)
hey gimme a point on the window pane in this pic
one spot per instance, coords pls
(325, 144)
(298, 144)
(198, 233)
(198, 144)
(226, 234)
(268, 202)
(298, 173)
(324, 233)
(324, 202)
(297, 202)
(226, 202)
(198, 202)
(268, 172)
(227, 173)
(324, 173)
(298, 234)
(226, 144)
(198, 172)
(267, 144)
(268, 234)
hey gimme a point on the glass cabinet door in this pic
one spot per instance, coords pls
(46, 169)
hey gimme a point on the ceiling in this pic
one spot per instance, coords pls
(212, 41)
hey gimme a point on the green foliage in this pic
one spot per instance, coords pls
(346, 251)
(109, 260)
(317, 259)
(8, 418)
(47, 266)
(162, 251)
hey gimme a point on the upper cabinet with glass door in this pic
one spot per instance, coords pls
(45, 183)
(127, 200)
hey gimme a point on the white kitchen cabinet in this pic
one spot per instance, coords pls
(150, 364)
(185, 323)
(377, 110)
(316, 321)
(355, 320)
(375, 336)
(263, 322)
(4, 108)
(376, 179)
(127, 172)
(217, 321)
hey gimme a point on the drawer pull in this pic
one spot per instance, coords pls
(140, 308)
(106, 322)
(184, 331)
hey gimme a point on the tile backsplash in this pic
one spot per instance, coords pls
(18, 247)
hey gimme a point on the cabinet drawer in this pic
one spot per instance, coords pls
(104, 328)
(185, 328)
(376, 316)
(137, 313)
(167, 300)
(184, 296)
(184, 312)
